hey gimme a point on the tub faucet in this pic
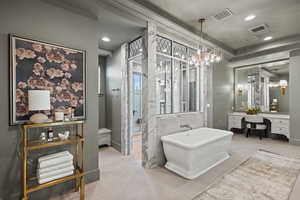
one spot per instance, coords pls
(186, 126)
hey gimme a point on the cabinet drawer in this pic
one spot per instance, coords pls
(234, 124)
(235, 118)
(277, 129)
(235, 121)
(280, 122)
(237, 124)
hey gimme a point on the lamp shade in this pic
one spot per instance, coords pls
(38, 100)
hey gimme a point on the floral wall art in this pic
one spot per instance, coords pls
(41, 66)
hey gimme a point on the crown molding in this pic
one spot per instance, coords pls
(161, 19)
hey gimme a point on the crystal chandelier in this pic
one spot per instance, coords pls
(206, 55)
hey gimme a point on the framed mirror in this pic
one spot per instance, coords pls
(263, 86)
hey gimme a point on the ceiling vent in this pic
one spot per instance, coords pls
(260, 30)
(223, 14)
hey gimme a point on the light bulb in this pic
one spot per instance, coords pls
(206, 57)
(199, 52)
(212, 58)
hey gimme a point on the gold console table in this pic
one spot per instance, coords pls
(30, 145)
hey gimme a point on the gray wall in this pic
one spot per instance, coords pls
(38, 20)
(222, 93)
(294, 97)
(113, 97)
(102, 96)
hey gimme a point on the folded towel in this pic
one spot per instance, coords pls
(55, 167)
(55, 161)
(45, 180)
(54, 155)
(55, 172)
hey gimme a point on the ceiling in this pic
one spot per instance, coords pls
(120, 27)
(278, 68)
(281, 16)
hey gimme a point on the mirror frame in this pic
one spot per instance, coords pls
(250, 66)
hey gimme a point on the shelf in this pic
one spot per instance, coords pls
(55, 182)
(30, 184)
(32, 145)
(50, 124)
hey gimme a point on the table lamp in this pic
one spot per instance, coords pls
(38, 100)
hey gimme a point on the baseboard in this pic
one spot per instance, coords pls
(116, 145)
(295, 141)
(91, 176)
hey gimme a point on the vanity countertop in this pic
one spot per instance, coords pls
(272, 115)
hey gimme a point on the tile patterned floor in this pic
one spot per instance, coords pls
(123, 178)
(137, 147)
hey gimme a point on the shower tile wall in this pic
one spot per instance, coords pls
(159, 125)
(148, 98)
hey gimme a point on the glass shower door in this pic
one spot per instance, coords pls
(137, 102)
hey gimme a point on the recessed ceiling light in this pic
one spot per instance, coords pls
(268, 38)
(249, 17)
(106, 39)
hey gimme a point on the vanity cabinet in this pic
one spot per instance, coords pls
(280, 124)
(235, 121)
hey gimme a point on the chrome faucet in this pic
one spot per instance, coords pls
(186, 126)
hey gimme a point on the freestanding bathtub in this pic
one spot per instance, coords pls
(192, 153)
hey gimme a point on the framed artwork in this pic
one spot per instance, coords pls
(36, 65)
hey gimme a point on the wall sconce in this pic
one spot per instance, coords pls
(283, 85)
(240, 88)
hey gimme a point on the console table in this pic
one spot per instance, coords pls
(280, 124)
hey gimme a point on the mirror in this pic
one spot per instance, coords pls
(263, 86)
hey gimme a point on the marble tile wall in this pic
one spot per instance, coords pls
(124, 101)
(148, 97)
(155, 126)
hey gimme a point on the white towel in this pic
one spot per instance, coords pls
(55, 161)
(55, 167)
(45, 180)
(54, 155)
(55, 172)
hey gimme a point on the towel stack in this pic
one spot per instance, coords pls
(55, 166)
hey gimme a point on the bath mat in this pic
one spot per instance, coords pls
(264, 176)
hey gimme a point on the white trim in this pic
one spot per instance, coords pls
(116, 145)
(171, 36)
(294, 141)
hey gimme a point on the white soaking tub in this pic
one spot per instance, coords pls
(192, 153)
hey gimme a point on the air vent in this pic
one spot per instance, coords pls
(257, 29)
(223, 14)
(260, 30)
